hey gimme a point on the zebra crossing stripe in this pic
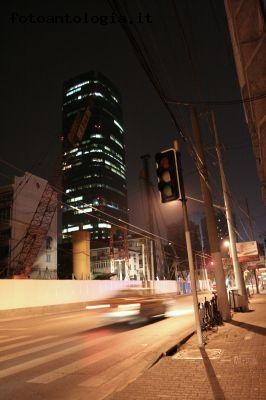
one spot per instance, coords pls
(119, 375)
(140, 358)
(19, 344)
(69, 369)
(12, 340)
(116, 383)
(44, 359)
(12, 329)
(113, 371)
(38, 348)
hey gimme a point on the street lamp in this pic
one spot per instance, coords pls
(226, 243)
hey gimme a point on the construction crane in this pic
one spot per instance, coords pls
(80, 124)
(36, 233)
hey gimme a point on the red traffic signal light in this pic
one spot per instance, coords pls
(168, 182)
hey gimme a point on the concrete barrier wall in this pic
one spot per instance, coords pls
(28, 293)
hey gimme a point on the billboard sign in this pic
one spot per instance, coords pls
(256, 264)
(247, 251)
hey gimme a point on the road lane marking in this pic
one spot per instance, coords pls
(69, 369)
(75, 366)
(121, 366)
(20, 344)
(51, 357)
(13, 329)
(38, 348)
(12, 339)
(72, 368)
(116, 383)
(112, 372)
(120, 375)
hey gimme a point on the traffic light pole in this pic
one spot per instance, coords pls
(189, 249)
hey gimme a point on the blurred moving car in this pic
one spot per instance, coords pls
(139, 304)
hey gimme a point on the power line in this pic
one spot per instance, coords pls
(216, 102)
(144, 58)
(120, 224)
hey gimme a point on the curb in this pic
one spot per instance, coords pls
(173, 348)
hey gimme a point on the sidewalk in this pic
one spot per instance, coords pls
(231, 366)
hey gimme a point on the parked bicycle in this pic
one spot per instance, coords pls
(210, 317)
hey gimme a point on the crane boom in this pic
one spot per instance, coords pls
(79, 126)
(36, 232)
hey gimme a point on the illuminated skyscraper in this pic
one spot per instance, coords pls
(94, 171)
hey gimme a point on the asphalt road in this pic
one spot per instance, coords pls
(74, 356)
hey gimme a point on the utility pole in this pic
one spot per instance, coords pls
(252, 235)
(143, 261)
(145, 158)
(239, 278)
(211, 223)
(189, 248)
(203, 257)
(152, 261)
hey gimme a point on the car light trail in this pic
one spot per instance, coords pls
(116, 314)
(128, 306)
(97, 306)
(176, 313)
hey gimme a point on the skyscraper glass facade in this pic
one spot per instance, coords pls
(93, 164)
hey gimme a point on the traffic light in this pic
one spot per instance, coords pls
(168, 182)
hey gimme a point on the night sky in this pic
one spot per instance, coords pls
(37, 57)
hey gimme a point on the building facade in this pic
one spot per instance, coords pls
(115, 265)
(136, 266)
(246, 22)
(222, 229)
(93, 165)
(19, 203)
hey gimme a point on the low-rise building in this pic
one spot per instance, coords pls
(28, 229)
(115, 264)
